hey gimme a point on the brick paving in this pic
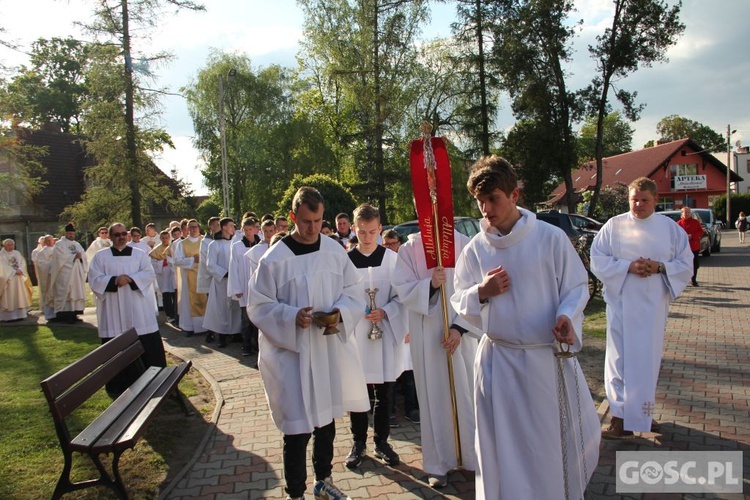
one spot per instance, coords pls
(703, 403)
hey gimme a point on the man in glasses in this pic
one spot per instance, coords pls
(102, 241)
(121, 279)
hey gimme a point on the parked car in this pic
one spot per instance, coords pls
(585, 223)
(713, 226)
(580, 238)
(464, 225)
(706, 249)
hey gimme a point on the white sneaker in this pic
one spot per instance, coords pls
(325, 490)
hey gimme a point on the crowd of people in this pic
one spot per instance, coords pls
(338, 313)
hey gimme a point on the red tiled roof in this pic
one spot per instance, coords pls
(626, 167)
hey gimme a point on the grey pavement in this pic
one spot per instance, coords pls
(703, 403)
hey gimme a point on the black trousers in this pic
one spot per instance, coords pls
(170, 304)
(696, 264)
(295, 457)
(249, 333)
(154, 355)
(380, 416)
(409, 391)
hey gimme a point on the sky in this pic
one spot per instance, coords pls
(707, 78)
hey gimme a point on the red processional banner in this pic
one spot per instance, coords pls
(440, 231)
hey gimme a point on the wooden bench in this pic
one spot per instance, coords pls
(120, 426)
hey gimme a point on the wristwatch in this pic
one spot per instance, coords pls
(660, 268)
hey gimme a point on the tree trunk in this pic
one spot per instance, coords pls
(482, 82)
(131, 153)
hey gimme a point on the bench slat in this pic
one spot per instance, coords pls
(79, 394)
(124, 420)
(55, 385)
(134, 431)
(87, 437)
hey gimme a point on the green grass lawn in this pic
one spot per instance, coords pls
(595, 319)
(30, 455)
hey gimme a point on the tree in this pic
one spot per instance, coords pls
(673, 128)
(52, 89)
(112, 20)
(613, 200)
(21, 169)
(617, 138)
(337, 198)
(640, 34)
(536, 166)
(357, 55)
(479, 101)
(270, 137)
(530, 47)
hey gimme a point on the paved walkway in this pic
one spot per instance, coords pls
(703, 402)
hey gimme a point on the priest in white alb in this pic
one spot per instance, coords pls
(251, 258)
(14, 296)
(101, 241)
(644, 261)
(67, 288)
(239, 276)
(121, 278)
(42, 266)
(186, 254)
(222, 313)
(521, 281)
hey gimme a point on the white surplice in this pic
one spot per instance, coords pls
(222, 313)
(239, 272)
(429, 360)
(637, 307)
(204, 277)
(309, 378)
(68, 276)
(14, 297)
(518, 409)
(120, 310)
(382, 359)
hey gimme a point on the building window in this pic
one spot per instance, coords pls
(665, 203)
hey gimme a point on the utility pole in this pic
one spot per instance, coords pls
(223, 132)
(729, 173)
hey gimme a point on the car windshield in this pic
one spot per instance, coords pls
(705, 215)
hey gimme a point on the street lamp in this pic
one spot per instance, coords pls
(729, 172)
(223, 130)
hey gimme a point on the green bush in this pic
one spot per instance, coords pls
(337, 198)
(739, 202)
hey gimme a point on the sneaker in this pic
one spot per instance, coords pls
(385, 452)
(393, 421)
(413, 416)
(325, 490)
(354, 458)
(437, 481)
(616, 430)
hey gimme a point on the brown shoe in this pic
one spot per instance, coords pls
(616, 430)
(655, 426)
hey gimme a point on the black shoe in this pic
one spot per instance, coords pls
(385, 452)
(246, 353)
(222, 340)
(210, 337)
(354, 458)
(695, 283)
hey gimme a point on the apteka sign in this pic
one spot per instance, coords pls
(688, 182)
